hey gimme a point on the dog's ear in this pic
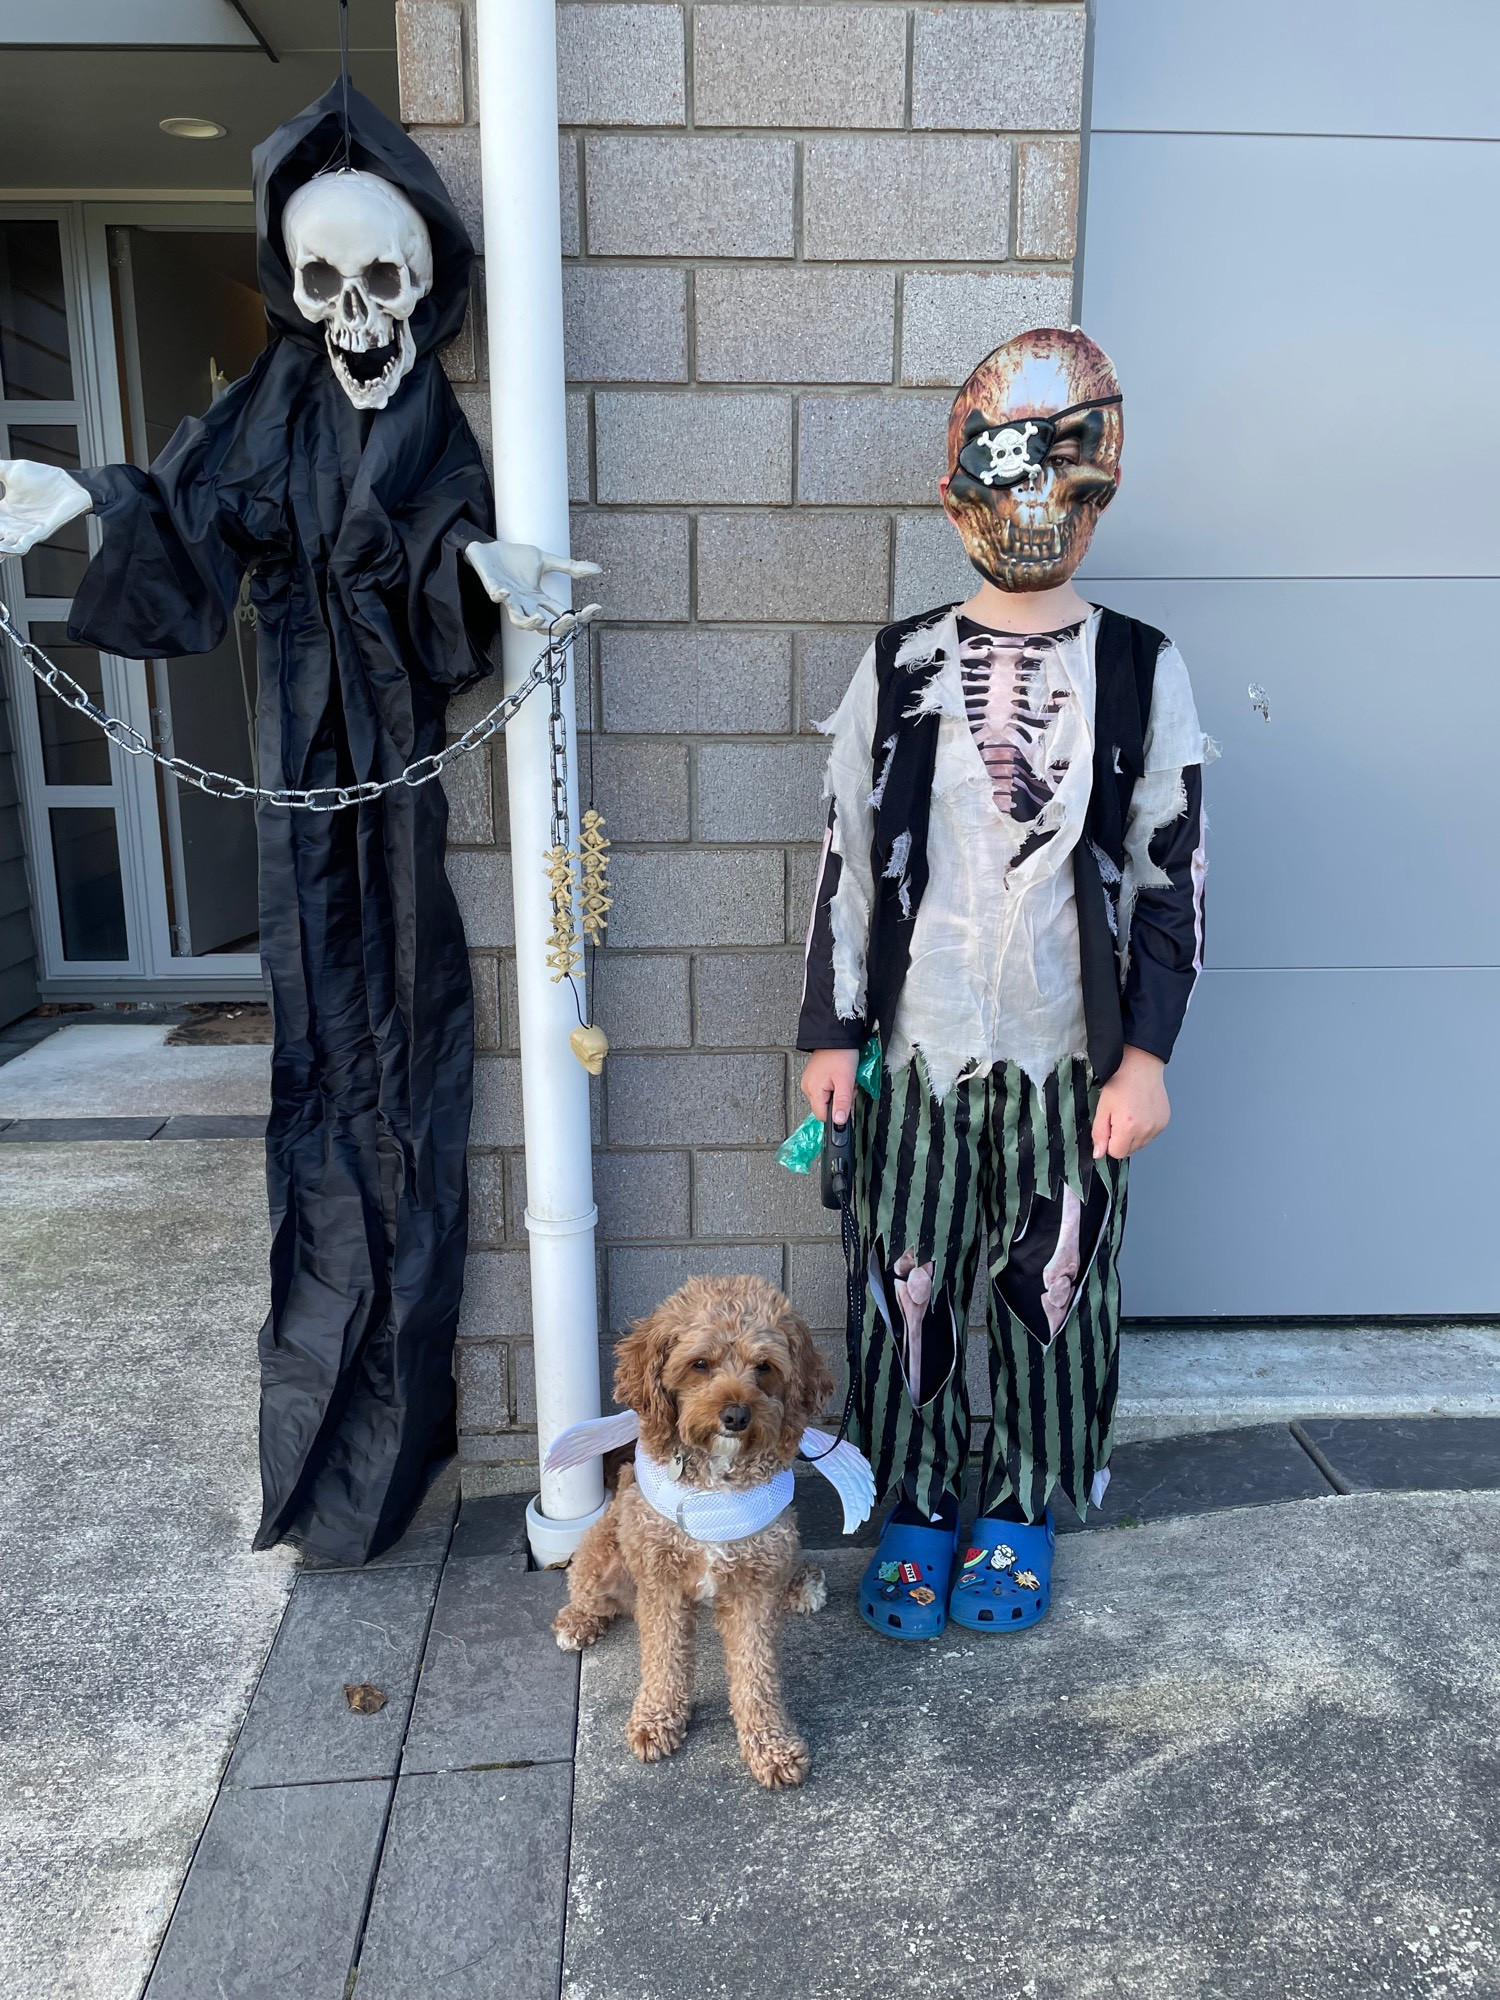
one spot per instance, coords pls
(811, 1384)
(639, 1360)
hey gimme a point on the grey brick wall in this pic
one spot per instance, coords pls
(789, 231)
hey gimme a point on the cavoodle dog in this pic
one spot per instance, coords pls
(723, 1377)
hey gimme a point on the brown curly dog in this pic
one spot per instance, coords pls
(723, 1376)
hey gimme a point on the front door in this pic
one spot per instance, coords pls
(116, 323)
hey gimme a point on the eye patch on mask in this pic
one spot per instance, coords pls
(1007, 453)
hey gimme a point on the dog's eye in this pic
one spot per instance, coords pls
(764, 1368)
(701, 1366)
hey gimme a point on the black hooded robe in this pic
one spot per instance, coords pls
(354, 525)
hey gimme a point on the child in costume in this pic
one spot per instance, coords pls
(1011, 899)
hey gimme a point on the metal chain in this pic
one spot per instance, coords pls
(550, 670)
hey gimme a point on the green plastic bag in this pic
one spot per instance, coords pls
(799, 1153)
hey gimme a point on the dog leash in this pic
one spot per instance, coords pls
(838, 1192)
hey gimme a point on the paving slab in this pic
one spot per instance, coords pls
(342, 1629)
(80, 1131)
(492, 1524)
(133, 1617)
(470, 1901)
(273, 1903)
(206, 1125)
(106, 1070)
(1374, 1454)
(495, 1688)
(1198, 1378)
(1160, 1479)
(1249, 1756)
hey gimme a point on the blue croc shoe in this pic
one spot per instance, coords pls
(904, 1592)
(1005, 1581)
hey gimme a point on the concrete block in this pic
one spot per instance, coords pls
(455, 154)
(681, 900)
(639, 1279)
(497, 1295)
(695, 197)
(751, 1194)
(951, 320)
(816, 1283)
(481, 882)
(497, 1102)
(797, 323)
(699, 682)
(931, 566)
(826, 661)
(645, 562)
(1047, 198)
(664, 446)
(471, 804)
(642, 1195)
(580, 484)
(799, 66)
(567, 190)
(464, 358)
(747, 999)
(430, 61)
(474, 401)
(642, 789)
(802, 875)
(696, 1100)
(624, 323)
(523, 1377)
(620, 65)
(761, 791)
(1003, 69)
(486, 1199)
(881, 451)
(792, 567)
(514, 1449)
(485, 974)
(483, 1385)
(906, 199)
(641, 999)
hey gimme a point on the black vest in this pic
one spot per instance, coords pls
(904, 757)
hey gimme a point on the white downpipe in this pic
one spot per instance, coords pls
(517, 79)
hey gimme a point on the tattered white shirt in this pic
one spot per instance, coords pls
(994, 971)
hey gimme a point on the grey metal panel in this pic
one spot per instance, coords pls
(1306, 330)
(1356, 827)
(1332, 1151)
(1298, 66)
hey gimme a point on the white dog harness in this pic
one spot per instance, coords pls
(723, 1513)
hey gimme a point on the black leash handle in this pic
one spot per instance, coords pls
(838, 1192)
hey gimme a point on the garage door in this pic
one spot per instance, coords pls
(1290, 252)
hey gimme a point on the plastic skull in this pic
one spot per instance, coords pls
(362, 262)
(1031, 532)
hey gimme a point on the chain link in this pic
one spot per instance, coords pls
(550, 670)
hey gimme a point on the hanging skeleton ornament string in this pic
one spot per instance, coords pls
(549, 670)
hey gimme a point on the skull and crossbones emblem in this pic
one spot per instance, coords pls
(1009, 454)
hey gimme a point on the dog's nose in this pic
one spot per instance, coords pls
(734, 1418)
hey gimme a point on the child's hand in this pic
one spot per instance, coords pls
(1133, 1106)
(829, 1075)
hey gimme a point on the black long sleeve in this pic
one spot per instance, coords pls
(820, 1025)
(1166, 931)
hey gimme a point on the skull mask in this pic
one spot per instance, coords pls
(362, 262)
(1034, 441)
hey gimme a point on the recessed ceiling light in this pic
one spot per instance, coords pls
(193, 128)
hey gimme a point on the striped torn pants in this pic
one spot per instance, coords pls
(1004, 1166)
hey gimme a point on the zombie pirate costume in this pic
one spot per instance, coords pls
(1010, 894)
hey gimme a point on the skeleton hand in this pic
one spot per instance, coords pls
(512, 573)
(35, 501)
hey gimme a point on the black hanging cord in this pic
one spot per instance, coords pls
(344, 78)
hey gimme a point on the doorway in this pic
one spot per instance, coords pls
(116, 322)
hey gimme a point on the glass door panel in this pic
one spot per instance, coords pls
(90, 894)
(75, 751)
(35, 356)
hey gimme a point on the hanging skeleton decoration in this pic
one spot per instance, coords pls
(1034, 444)
(342, 474)
(361, 264)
